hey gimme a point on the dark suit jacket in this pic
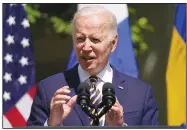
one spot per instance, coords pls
(136, 98)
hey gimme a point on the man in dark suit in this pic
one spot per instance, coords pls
(94, 38)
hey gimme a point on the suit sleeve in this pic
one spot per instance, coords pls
(39, 110)
(150, 116)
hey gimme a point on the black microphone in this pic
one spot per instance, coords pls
(83, 98)
(108, 99)
(83, 94)
(108, 95)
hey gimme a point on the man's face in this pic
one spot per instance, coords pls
(91, 43)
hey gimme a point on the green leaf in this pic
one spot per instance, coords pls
(148, 27)
(131, 10)
(60, 26)
(31, 19)
(68, 29)
(143, 47)
(142, 21)
(135, 28)
(32, 13)
(136, 37)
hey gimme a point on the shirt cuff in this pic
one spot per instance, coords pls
(45, 124)
(124, 124)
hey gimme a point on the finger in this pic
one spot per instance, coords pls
(117, 100)
(116, 104)
(61, 97)
(72, 101)
(62, 91)
(114, 109)
(108, 112)
(56, 103)
(117, 110)
(66, 87)
(109, 115)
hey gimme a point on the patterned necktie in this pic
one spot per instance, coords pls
(95, 98)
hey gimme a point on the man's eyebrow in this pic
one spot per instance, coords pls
(95, 35)
(79, 34)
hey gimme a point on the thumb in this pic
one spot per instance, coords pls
(72, 101)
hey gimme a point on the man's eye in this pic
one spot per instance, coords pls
(95, 40)
(80, 39)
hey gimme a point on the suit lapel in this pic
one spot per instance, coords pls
(73, 81)
(119, 84)
(120, 87)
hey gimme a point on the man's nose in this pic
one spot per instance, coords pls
(87, 46)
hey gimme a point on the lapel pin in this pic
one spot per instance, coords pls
(120, 87)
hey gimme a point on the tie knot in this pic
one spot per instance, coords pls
(93, 80)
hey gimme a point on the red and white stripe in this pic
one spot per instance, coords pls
(17, 116)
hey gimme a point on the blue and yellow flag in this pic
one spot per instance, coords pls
(176, 71)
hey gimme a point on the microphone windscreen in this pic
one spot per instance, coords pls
(82, 86)
(83, 93)
(108, 96)
(106, 87)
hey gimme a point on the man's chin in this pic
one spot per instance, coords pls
(91, 69)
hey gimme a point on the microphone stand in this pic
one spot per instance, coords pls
(96, 116)
(96, 119)
(93, 116)
(106, 108)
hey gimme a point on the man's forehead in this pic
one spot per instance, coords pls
(91, 24)
(94, 20)
(96, 31)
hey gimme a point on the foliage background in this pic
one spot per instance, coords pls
(62, 26)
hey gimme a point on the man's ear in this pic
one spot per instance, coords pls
(114, 43)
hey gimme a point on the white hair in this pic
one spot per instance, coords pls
(96, 9)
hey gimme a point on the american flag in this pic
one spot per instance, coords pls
(18, 66)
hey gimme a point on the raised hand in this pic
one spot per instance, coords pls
(114, 117)
(61, 106)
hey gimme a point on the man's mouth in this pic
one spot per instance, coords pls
(88, 58)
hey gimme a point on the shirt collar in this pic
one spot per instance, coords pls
(105, 75)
